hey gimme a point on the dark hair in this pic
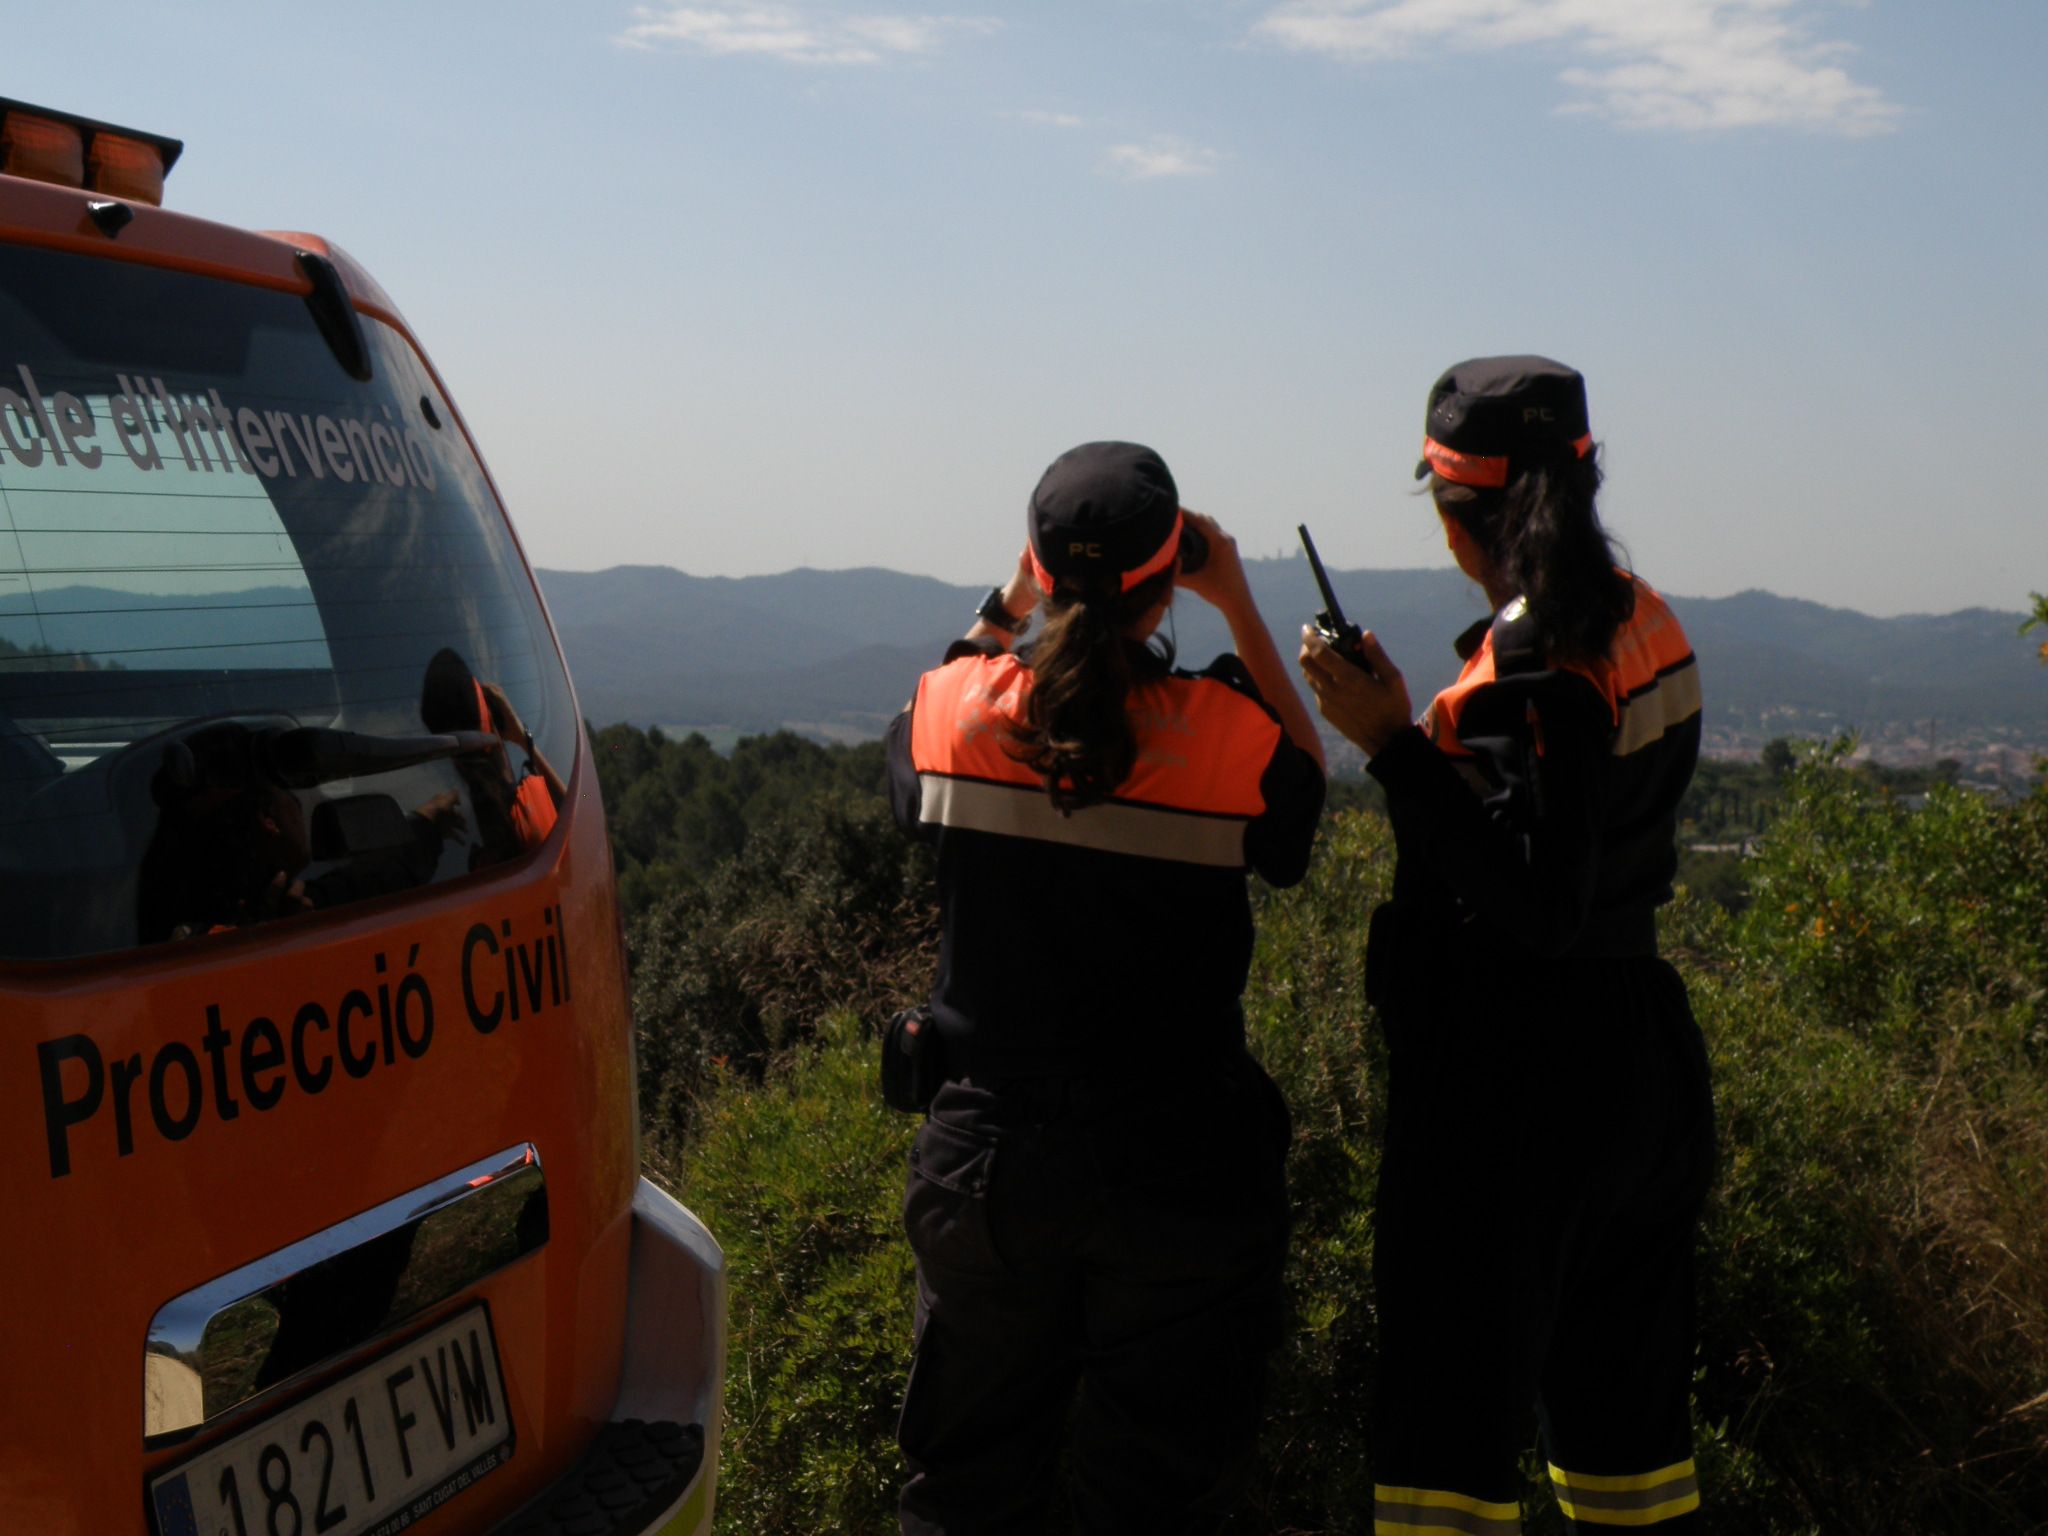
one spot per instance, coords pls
(448, 695)
(1543, 535)
(1075, 734)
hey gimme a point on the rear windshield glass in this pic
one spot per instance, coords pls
(266, 646)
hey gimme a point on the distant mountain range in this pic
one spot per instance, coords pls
(835, 653)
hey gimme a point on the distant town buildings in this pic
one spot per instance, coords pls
(1991, 756)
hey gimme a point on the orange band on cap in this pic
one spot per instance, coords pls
(1165, 555)
(1473, 469)
(1464, 468)
(1040, 574)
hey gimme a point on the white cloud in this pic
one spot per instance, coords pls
(1050, 119)
(1158, 157)
(792, 34)
(1696, 65)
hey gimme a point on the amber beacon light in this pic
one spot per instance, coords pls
(74, 151)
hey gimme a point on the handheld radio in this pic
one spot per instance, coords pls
(1342, 635)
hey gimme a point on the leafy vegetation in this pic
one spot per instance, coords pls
(800, 1176)
(679, 809)
(1874, 1265)
(37, 657)
(1876, 1313)
(830, 909)
(2037, 619)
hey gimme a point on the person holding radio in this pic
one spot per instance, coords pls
(1549, 1136)
(1096, 1198)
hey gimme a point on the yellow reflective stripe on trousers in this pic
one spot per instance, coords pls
(1438, 1511)
(1639, 1498)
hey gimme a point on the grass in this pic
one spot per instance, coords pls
(1874, 1264)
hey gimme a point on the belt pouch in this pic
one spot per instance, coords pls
(913, 1063)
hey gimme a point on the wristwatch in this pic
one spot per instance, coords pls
(993, 613)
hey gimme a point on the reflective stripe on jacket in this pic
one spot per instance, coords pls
(1649, 679)
(1203, 750)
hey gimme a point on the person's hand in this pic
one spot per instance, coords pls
(283, 897)
(445, 815)
(1020, 592)
(1368, 708)
(1221, 581)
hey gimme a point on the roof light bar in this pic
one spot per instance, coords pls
(42, 149)
(123, 167)
(74, 151)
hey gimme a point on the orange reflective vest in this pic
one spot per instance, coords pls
(1649, 679)
(1544, 796)
(533, 811)
(1117, 937)
(1203, 748)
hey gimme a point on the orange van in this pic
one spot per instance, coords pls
(322, 1211)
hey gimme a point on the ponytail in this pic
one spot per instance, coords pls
(1543, 535)
(1075, 734)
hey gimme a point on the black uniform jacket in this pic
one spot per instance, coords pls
(1535, 806)
(1117, 938)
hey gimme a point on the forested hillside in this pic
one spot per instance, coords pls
(1872, 978)
(831, 654)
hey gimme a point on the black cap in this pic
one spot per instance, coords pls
(450, 699)
(1105, 513)
(1491, 416)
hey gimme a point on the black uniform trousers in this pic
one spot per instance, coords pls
(1098, 1269)
(1549, 1146)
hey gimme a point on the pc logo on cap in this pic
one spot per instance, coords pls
(1106, 514)
(1491, 417)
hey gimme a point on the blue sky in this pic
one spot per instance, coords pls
(737, 287)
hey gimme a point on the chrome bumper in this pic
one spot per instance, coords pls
(675, 1341)
(671, 1393)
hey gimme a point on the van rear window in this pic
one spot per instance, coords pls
(266, 644)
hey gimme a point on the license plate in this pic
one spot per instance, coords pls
(366, 1456)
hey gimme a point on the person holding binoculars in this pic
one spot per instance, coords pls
(1096, 1199)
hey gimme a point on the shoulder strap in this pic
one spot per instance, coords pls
(1517, 646)
(1471, 637)
(1227, 669)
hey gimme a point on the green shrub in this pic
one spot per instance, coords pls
(1874, 916)
(801, 1178)
(677, 808)
(1874, 1264)
(829, 908)
(1875, 1306)
(1307, 1021)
